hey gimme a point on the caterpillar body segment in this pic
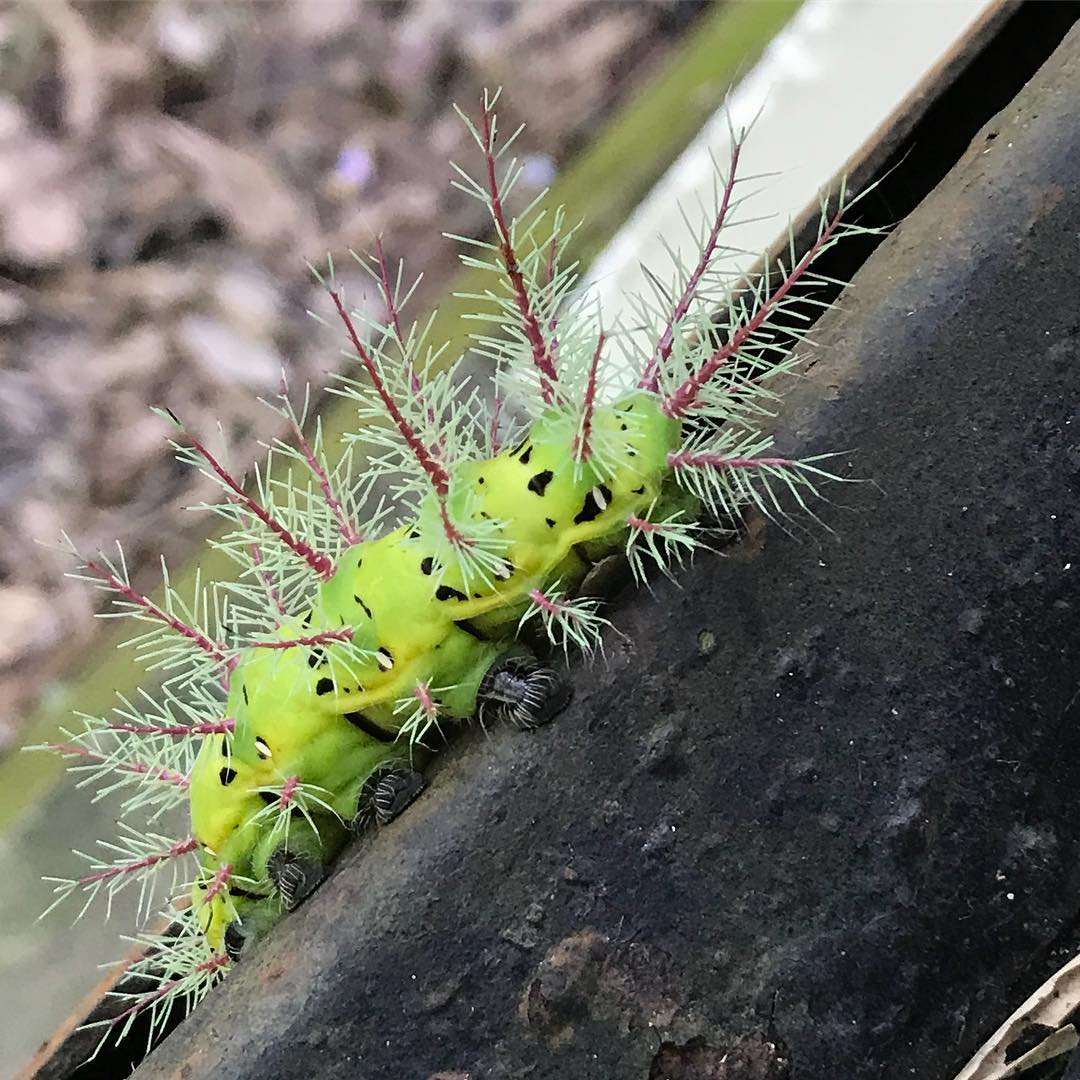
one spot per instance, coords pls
(359, 630)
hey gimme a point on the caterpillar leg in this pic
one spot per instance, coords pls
(606, 576)
(518, 689)
(386, 793)
(296, 876)
(253, 919)
(235, 940)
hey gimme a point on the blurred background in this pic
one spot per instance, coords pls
(166, 169)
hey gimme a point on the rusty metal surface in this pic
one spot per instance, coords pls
(833, 777)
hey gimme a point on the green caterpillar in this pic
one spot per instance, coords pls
(420, 625)
(313, 683)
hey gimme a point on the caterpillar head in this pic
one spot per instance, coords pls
(232, 919)
(273, 800)
(289, 728)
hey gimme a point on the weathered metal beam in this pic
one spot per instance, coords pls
(832, 778)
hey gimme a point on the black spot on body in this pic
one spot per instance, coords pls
(369, 727)
(538, 484)
(324, 686)
(243, 690)
(445, 592)
(366, 610)
(524, 459)
(622, 427)
(226, 776)
(268, 797)
(639, 490)
(427, 566)
(316, 658)
(359, 563)
(590, 508)
(481, 480)
(550, 522)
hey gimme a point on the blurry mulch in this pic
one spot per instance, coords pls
(166, 168)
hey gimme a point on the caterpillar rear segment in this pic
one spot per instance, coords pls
(314, 684)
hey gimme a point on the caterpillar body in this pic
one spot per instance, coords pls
(374, 605)
(427, 634)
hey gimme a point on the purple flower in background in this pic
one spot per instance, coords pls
(355, 167)
(538, 171)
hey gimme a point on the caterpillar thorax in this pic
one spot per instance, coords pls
(360, 623)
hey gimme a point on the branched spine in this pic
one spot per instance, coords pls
(663, 543)
(292, 795)
(679, 402)
(324, 637)
(583, 448)
(218, 883)
(425, 458)
(140, 856)
(421, 714)
(138, 768)
(181, 967)
(541, 350)
(139, 603)
(465, 548)
(313, 459)
(210, 727)
(320, 563)
(567, 620)
(650, 380)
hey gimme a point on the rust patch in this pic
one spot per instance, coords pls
(585, 978)
(273, 972)
(751, 540)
